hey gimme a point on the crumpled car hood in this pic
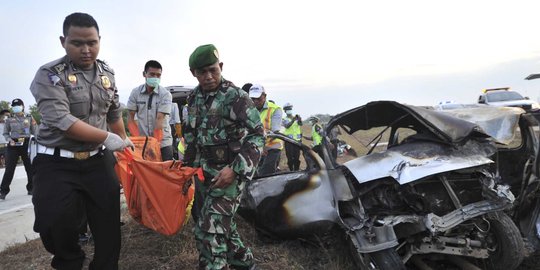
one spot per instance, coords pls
(409, 162)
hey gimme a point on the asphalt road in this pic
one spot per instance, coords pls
(16, 212)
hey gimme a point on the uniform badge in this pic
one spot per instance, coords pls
(26, 122)
(59, 68)
(72, 79)
(105, 81)
(55, 80)
(220, 153)
(216, 54)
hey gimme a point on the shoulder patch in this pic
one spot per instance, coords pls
(59, 68)
(105, 66)
(55, 80)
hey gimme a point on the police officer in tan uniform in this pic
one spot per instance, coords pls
(74, 174)
(17, 131)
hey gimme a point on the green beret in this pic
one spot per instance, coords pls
(203, 56)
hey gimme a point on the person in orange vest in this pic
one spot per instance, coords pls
(271, 117)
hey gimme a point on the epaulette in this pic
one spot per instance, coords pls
(59, 68)
(105, 66)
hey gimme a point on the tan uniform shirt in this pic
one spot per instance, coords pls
(19, 126)
(64, 95)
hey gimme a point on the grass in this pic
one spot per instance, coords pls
(145, 249)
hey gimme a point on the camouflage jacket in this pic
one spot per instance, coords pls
(222, 117)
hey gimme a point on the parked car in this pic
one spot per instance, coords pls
(451, 188)
(451, 105)
(179, 95)
(504, 97)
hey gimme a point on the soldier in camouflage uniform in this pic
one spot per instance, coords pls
(224, 136)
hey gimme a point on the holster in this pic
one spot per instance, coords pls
(221, 153)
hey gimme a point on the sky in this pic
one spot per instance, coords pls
(322, 56)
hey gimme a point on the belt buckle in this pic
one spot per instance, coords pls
(81, 155)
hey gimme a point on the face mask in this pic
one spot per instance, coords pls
(17, 109)
(288, 112)
(152, 82)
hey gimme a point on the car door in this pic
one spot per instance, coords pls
(291, 203)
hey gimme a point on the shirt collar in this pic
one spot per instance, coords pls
(143, 89)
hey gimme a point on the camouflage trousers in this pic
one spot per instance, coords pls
(217, 239)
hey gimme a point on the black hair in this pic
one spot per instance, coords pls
(80, 20)
(152, 64)
(247, 86)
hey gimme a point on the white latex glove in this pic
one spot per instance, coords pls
(114, 142)
(129, 143)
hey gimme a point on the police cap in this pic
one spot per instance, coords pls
(17, 102)
(203, 56)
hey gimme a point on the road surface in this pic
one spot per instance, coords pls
(16, 212)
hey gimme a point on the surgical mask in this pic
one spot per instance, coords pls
(289, 112)
(152, 82)
(17, 109)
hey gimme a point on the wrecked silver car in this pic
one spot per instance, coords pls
(427, 186)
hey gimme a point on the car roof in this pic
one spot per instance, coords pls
(179, 93)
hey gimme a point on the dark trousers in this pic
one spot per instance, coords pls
(12, 156)
(166, 153)
(293, 157)
(269, 163)
(174, 142)
(318, 150)
(65, 189)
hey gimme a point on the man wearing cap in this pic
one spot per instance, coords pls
(271, 117)
(78, 101)
(292, 124)
(152, 104)
(17, 131)
(4, 115)
(224, 137)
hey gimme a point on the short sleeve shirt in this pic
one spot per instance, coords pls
(19, 126)
(147, 105)
(64, 95)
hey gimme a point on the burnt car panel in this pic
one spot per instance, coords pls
(498, 122)
(291, 204)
